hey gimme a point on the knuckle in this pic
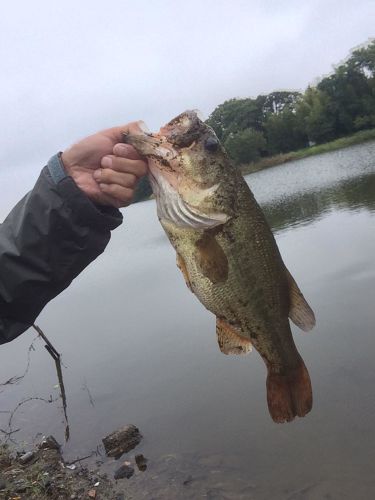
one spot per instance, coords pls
(131, 180)
(141, 168)
(105, 175)
(128, 195)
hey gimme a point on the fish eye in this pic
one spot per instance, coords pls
(211, 144)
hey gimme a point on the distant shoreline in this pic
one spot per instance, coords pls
(343, 142)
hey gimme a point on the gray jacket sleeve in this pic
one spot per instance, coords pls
(48, 238)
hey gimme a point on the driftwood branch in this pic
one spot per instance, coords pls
(49, 346)
(57, 359)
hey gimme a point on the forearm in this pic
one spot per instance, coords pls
(49, 237)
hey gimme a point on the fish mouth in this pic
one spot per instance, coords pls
(150, 145)
(181, 132)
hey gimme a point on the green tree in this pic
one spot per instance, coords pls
(279, 101)
(315, 113)
(284, 132)
(364, 59)
(235, 115)
(245, 146)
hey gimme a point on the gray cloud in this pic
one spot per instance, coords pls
(71, 68)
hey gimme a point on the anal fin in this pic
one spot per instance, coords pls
(230, 340)
(299, 311)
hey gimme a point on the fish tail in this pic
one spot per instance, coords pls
(289, 394)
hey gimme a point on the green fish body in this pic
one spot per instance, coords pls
(229, 256)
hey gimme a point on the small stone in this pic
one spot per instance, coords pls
(121, 441)
(141, 462)
(188, 480)
(26, 457)
(120, 496)
(125, 471)
(21, 487)
(49, 443)
(91, 493)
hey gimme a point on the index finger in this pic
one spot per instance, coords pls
(126, 151)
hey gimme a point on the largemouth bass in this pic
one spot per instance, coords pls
(228, 255)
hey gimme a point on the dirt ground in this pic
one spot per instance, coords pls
(42, 474)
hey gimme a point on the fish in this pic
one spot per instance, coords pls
(228, 255)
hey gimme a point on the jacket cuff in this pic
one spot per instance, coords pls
(83, 210)
(56, 168)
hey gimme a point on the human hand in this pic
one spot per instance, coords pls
(105, 169)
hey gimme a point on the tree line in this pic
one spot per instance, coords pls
(339, 105)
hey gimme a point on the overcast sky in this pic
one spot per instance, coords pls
(69, 68)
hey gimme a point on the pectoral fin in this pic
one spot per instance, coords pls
(299, 312)
(211, 259)
(229, 339)
(182, 267)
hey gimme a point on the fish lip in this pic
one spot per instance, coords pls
(181, 132)
(152, 146)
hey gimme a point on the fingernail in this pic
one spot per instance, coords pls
(103, 186)
(106, 162)
(97, 174)
(121, 149)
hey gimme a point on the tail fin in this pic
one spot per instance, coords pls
(290, 394)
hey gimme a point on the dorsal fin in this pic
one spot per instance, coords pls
(230, 339)
(299, 311)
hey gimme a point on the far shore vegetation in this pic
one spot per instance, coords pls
(343, 142)
(284, 125)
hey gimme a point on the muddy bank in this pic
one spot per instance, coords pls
(42, 473)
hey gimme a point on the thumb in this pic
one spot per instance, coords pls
(116, 133)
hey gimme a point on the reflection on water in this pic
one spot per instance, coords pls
(136, 341)
(304, 208)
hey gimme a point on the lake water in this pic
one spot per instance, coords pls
(139, 348)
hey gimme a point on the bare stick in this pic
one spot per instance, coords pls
(82, 458)
(57, 358)
(51, 348)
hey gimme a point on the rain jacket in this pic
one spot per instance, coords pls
(48, 238)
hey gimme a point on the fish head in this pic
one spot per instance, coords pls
(189, 170)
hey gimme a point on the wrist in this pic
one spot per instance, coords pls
(67, 164)
(56, 168)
